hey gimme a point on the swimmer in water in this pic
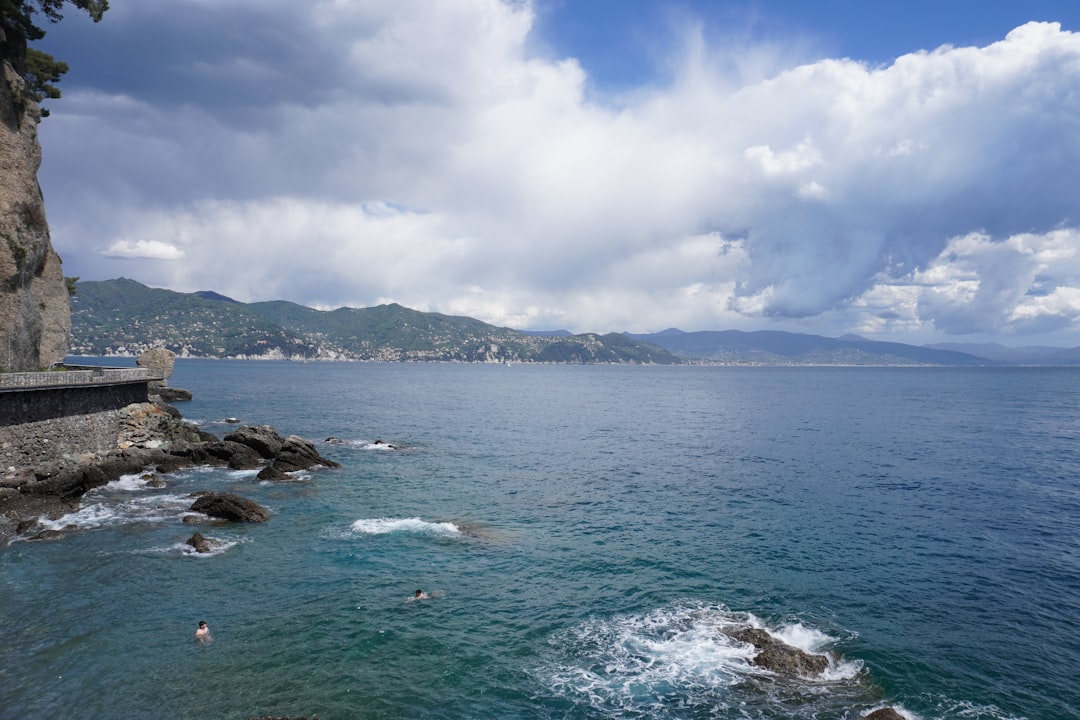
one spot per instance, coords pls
(203, 633)
(421, 595)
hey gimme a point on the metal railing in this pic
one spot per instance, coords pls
(75, 375)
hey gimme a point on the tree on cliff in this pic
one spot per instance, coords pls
(18, 28)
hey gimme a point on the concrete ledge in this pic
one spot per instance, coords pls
(74, 376)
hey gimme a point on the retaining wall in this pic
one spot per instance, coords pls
(43, 423)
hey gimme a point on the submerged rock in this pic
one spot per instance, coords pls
(230, 506)
(153, 480)
(48, 535)
(884, 714)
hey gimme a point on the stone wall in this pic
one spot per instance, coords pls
(44, 424)
(40, 442)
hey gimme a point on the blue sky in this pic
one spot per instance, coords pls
(904, 171)
(617, 40)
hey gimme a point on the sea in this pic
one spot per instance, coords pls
(585, 538)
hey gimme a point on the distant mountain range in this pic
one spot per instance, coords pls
(1028, 355)
(123, 317)
(769, 347)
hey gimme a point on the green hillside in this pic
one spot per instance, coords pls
(125, 317)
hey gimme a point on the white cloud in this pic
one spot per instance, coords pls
(1021, 284)
(441, 165)
(143, 249)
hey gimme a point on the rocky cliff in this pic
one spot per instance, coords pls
(35, 315)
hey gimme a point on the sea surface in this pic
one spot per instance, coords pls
(586, 534)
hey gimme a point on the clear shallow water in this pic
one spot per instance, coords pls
(586, 533)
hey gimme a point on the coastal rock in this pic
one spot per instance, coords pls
(171, 394)
(152, 480)
(159, 361)
(264, 439)
(151, 425)
(271, 474)
(220, 452)
(64, 481)
(200, 543)
(884, 714)
(300, 454)
(47, 535)
(157, 442)
(230, 506)
(780, 657)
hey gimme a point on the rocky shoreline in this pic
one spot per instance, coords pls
(153, 438)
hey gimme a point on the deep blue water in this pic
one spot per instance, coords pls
(585, 533)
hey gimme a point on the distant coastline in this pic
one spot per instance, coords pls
(121, 318)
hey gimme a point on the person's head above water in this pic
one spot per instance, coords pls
(419, 593)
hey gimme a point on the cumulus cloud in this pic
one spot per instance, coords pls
(419, 152)
(145, 249)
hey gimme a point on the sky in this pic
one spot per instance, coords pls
(905, 171)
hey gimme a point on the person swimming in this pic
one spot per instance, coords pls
(203, 633)
(420, 595)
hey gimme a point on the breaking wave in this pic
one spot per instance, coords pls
(381, 526)
(125, 511)
(680, 660)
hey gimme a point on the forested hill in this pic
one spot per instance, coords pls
(125, 317)
(770, 347)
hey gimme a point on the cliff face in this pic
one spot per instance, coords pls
(35, 314)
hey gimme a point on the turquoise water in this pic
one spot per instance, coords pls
(585, 533)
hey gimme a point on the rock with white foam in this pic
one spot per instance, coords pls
(779, 657)
(200, 543)
(884, 714)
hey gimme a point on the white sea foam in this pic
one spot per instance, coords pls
(297, 476)
(380, 526)
(813, 641)
(111, 513)
(681, 654)
(218, 546)
(798, 635)
(125, 483)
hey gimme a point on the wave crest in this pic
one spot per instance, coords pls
(381, 526)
